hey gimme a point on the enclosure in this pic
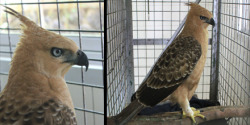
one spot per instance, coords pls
(138, 31)
(82, 21)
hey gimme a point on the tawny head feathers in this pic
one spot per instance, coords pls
(198, 10)
(199, 16)
(47, 52)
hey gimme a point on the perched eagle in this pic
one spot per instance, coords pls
(36, 92)
(176, 74)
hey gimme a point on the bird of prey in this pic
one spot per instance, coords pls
(176, 74)
(36, 92)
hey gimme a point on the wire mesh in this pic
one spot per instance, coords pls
(119, 55)
(81, 21)
(154, 22)
(234, 56)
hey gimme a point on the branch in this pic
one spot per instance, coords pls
(175, 118)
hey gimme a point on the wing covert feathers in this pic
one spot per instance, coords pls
(173, 67)
(51, 112)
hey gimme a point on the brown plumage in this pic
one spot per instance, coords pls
(177, 72)
(36, 92)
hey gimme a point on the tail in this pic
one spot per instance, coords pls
(128, 113)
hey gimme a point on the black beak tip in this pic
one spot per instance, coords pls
(82, 59)
(212, 22)
(87, 66)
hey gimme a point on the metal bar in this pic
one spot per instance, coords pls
(160, 11)
(166, 20)
(95, 51)
(235, 16)
(145, 33)
(64, 2)
(156, 41)
(215, 52)
(90, 111)
(80, 44)
(4, 73)
(59, 30)
(40, 17)
(235, 3)
(129, 50)
(90, 59)
(83, 84)
(154, 31)
(138, 62)
(6, 52)
(168, 1)
(102, 46)
(69, 82)
(58, 17)
(105, 75)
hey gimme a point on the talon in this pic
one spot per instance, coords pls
(196, 113)
(192, 117)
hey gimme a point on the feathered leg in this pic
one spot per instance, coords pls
(190, 111)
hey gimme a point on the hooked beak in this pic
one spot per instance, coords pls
(211, 21)
(82, 59)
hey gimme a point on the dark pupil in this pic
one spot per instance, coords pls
(58, 51)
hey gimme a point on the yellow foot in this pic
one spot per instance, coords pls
(195, 114)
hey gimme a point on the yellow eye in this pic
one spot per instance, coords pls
(56, 52)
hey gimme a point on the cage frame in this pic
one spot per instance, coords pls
(215, 48)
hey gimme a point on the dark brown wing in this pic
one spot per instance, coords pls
(171, 69)
(51, 112)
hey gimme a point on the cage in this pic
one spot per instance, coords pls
(138, 31)
(82, 21)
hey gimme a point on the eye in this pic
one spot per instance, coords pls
(56, 52)
(203, 18)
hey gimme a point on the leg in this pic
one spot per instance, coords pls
(190, 111)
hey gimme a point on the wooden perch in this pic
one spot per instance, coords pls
(175, 118)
